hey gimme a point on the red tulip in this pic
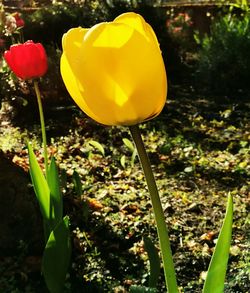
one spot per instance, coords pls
(28, 60)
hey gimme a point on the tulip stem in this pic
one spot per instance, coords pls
(40, 107)
(162, 229)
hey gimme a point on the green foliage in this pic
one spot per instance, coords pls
(49, 23)
(217, 269)
(96, 145)
(224, 59)
(130, 146)
(55, 192)
(40, 185)
(242, 4)
(56, 257)
(77, 183)
(155, 264)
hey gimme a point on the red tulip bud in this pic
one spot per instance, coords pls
(28, 60)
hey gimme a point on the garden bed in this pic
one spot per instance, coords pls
(199, 149)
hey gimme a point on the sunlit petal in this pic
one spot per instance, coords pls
(118, 70)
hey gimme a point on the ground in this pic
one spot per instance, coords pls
(199, 149)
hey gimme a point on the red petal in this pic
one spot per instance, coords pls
(28, 60)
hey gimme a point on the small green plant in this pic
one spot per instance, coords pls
(77, 183)
(97, 146)
(132, 150)
(224, 60)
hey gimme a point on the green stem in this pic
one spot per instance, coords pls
(39, 101)
(162, 229)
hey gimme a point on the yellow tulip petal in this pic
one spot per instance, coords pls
(72, 46)
(134, 21)
(72, 86)
(122, 78)
(75, 36)
(117, 69)
(138, 23)
(152, 35)
(109, 34)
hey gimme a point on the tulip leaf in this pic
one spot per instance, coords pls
(154, 260)
(97, 146)
(214, 282)
(55, 192)
(40, 185)
(77, 183)
(56, 257)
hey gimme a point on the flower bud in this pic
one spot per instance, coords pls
(28, 60)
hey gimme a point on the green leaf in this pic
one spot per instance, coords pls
(123, 161)
(77, 183)
(40, 185)
(128, 144)
(97, 146)
(55, 192)
(133, 157)
(56, 257)
(142, 289)
(154, 260)
(214, 282)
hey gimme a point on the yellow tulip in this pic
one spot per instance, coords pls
(114, 71)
